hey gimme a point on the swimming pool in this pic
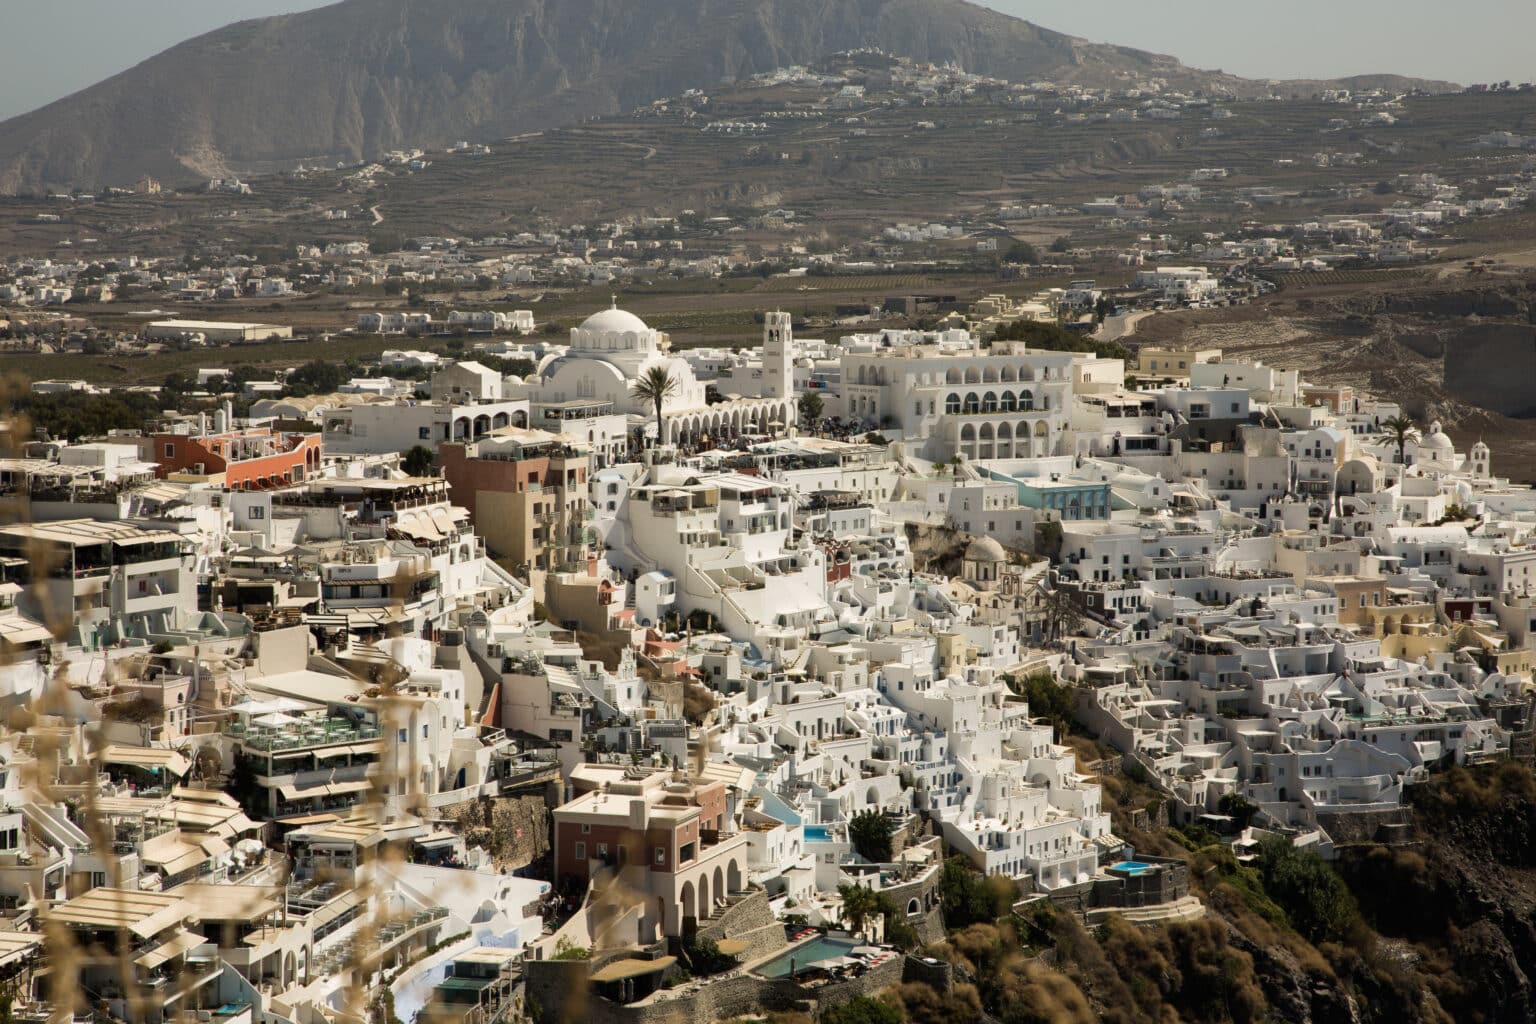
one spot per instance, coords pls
(818, 834)
(823, 948)
(1131, 867)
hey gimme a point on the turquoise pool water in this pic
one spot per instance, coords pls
(817, 834)
(824, 948)
(1131, 867)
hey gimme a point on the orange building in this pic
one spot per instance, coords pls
(252, 459)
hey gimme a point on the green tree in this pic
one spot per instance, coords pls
(654, 387)
(1063, 613)
(1313, 896)
(871, 832)
(418, 461)
(1402, 430)
(1021, 252)
(811, 407)
(860, 905)
(863, 1010)
(316, 377)
(1061, 243)
(1049, 699)
(1237, 807)
(969, 897)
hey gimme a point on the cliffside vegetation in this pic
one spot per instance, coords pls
(1439, 928)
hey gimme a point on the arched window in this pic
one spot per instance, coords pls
(989, 402)
(972, 403)
(1009, 403)
(952, 403)
(1026, 401)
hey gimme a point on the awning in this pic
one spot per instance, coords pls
(309, 819)
(175, 856)
(619, 970)
(733, 947)
(442, 521)
(292, 792)
(419, 526)
(146, 757)
(18, 632)
(182, 943)
(335, 909)
(370, 747)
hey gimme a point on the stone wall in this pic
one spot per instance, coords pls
(514, 829)
(752, 921)
(938, 975)
(870, 983)
(558, 990)
(716, 1000)
(929, 927)
(1350, 827)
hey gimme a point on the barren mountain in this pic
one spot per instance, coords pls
(359, 78)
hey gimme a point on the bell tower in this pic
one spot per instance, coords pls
(778, 355)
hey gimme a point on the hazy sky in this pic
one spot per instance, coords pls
(55, 47)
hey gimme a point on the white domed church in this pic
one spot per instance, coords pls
(612, 348)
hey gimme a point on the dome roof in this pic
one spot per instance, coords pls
(985, 549)
(1435, 439)
(613, 321)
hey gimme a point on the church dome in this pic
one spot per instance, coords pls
(1435, 438)
(613, 321)
(985, 549)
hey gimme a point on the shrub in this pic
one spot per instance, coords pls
(1318, 903)
(871, 832)
(969, 897)
(863, 1010)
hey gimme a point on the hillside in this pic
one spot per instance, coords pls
(1432, 929)
(362, 77)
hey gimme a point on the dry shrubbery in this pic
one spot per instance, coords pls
(1015, 988)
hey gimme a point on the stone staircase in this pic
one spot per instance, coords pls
(1186, 908)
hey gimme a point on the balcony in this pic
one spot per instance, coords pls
(304, 733)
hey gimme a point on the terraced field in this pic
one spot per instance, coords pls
(842, 183)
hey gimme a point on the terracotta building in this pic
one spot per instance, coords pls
(526, 491)
(253, 458)
(674, 840)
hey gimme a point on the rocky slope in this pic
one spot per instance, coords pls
(362, 77)
(1436, 928)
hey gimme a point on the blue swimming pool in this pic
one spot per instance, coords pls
(1131, 867)
(823, 948)
(817, 834)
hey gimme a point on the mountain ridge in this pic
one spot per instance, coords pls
(361, 77)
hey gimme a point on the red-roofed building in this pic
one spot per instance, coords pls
(255, 458)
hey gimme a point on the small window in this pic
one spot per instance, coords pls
(424, 433)
(403, 736)
(586, 828)
(581, 851)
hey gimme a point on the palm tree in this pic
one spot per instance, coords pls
(655, 386)
(811, 408)
(859, 905)
(1402, 430)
